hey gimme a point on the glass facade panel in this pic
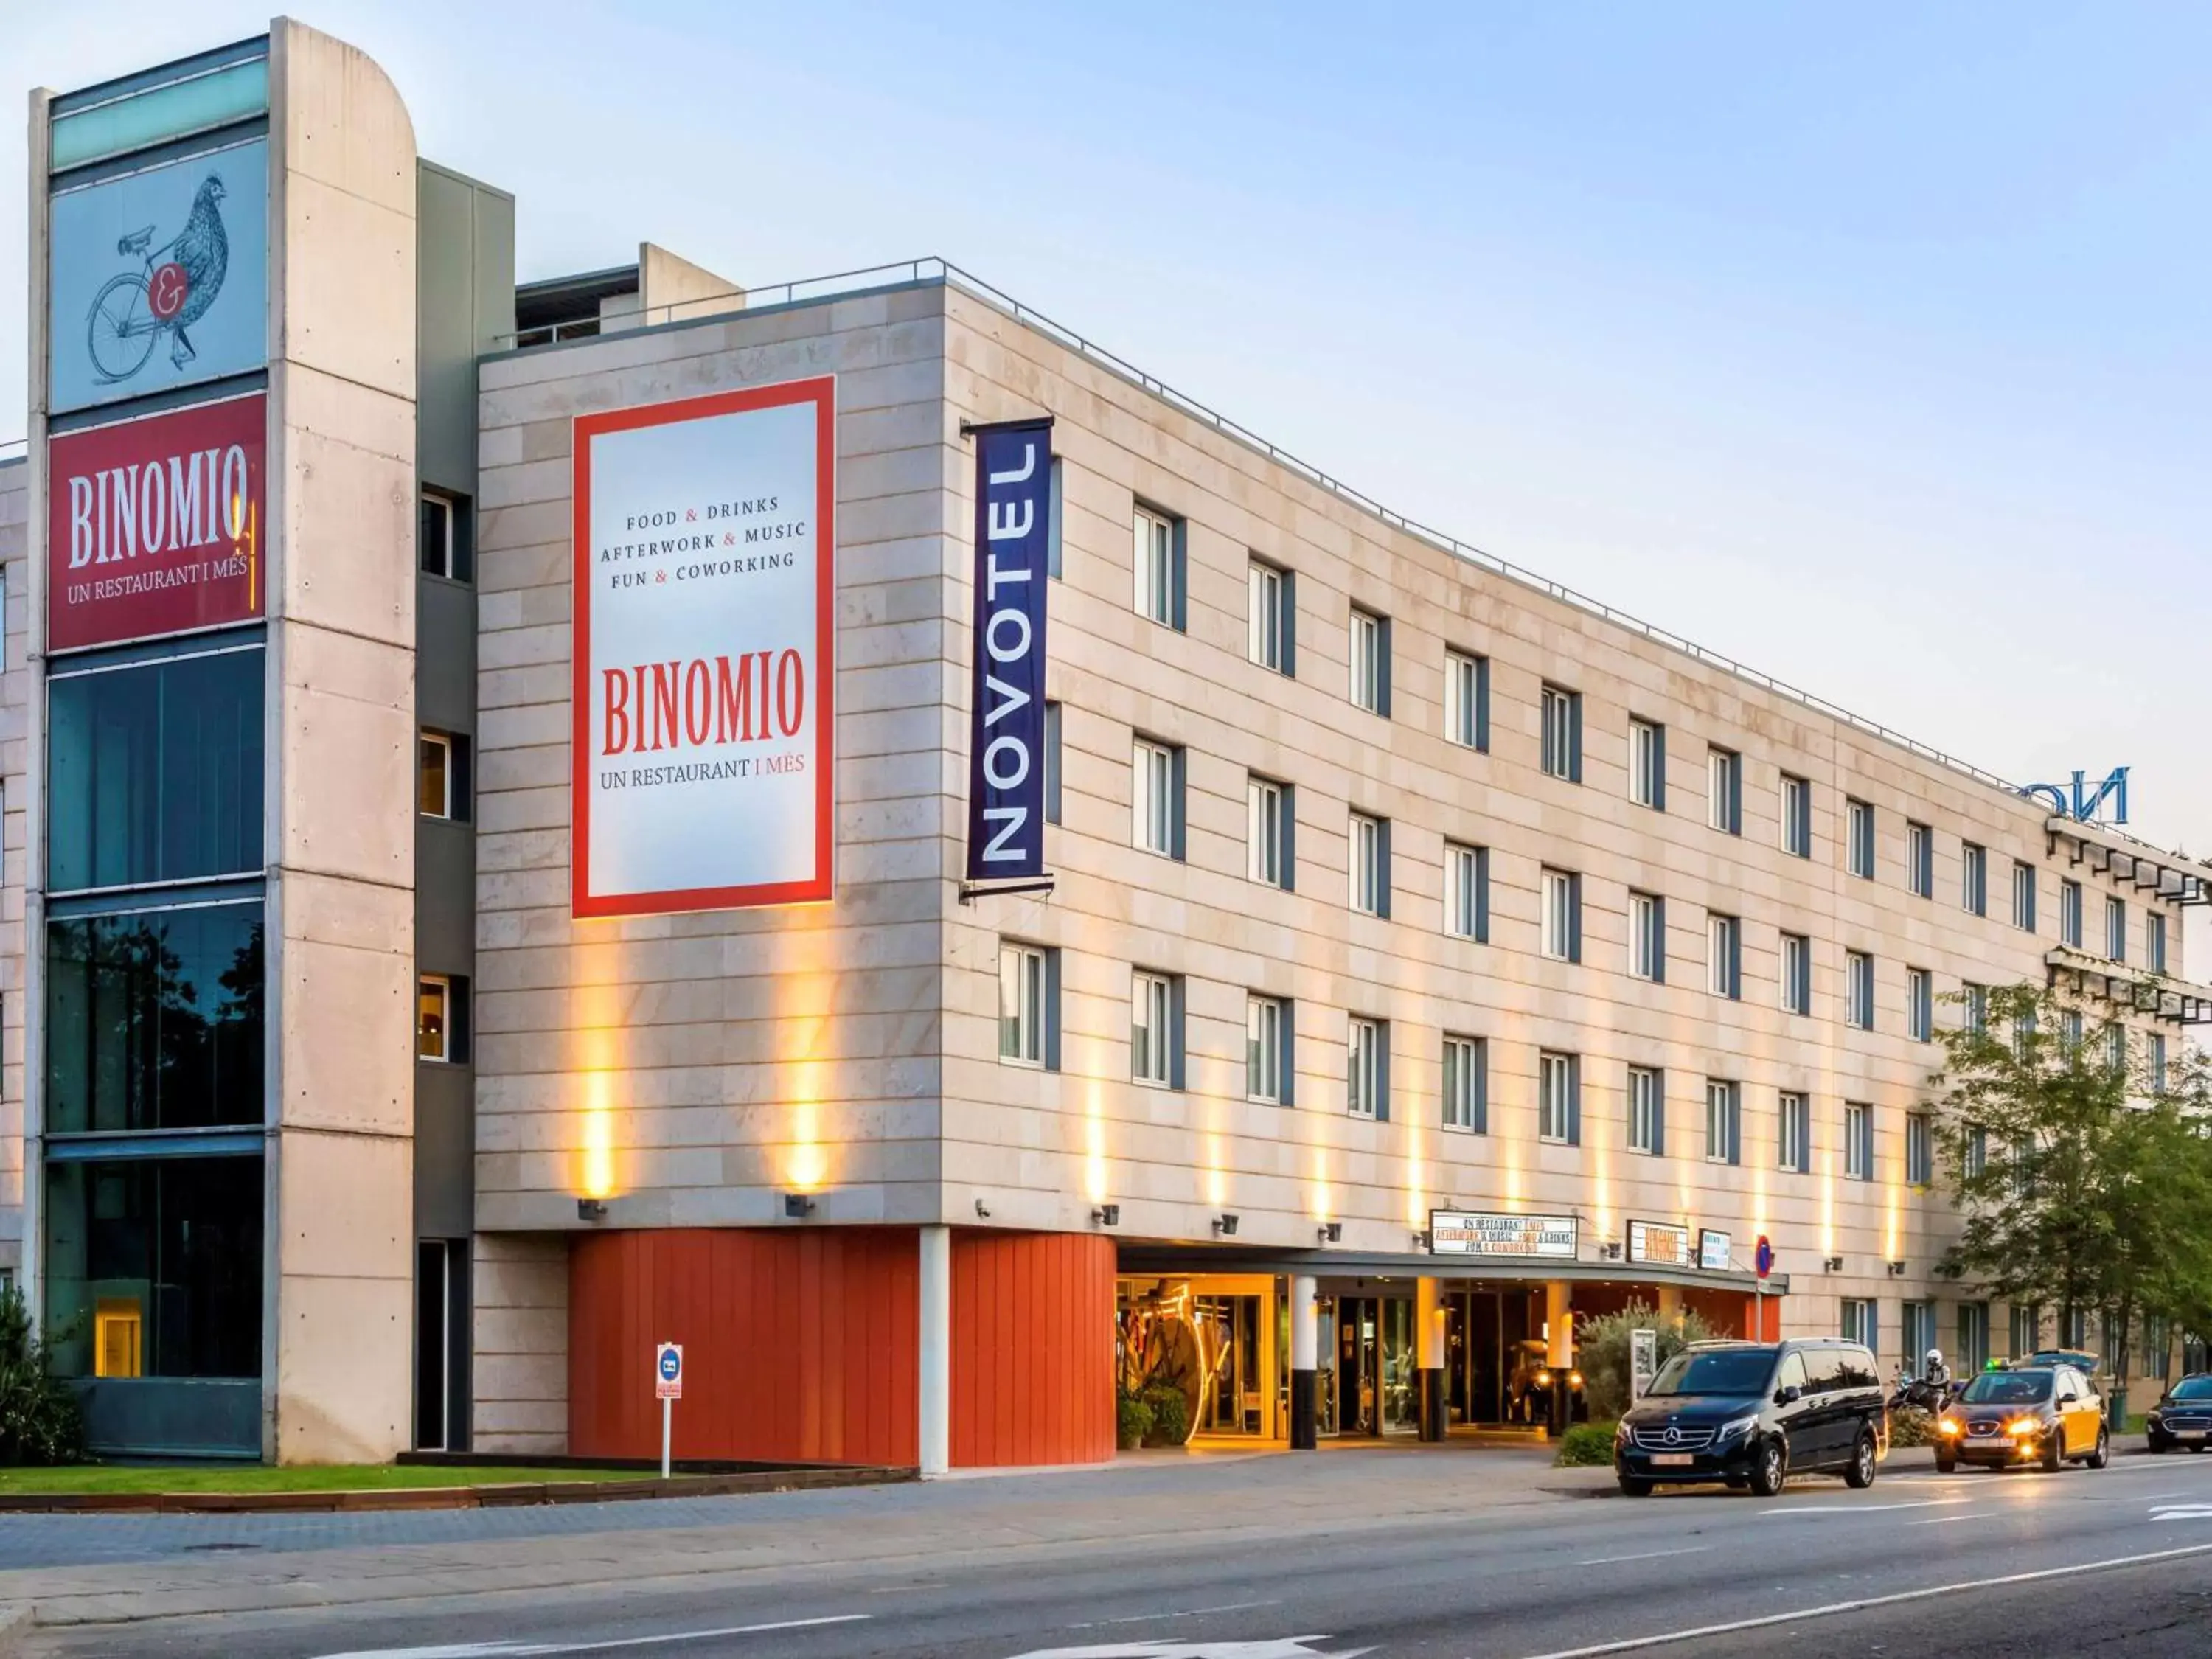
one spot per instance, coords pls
(154, 1019)
(155, 772)
(153, 1266)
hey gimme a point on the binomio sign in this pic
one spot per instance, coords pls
(705, 640)
(154, 526)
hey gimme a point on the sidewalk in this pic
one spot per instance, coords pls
(233, 1565)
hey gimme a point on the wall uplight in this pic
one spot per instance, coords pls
(797, 1206)
(1332, 1232)
(1107, 1215)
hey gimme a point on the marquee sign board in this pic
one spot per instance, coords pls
(1478, 1232)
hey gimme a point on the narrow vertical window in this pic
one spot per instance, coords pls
(1152, 1045)
(442, 536)
(1367, 1078)
(1920, 860)
(1795, 1130)
(1723, 1137)
(1158, 573)
(1467, 700)
(1052, 762)
(1797, 974)
(1268, 628)
(2070, 914)
(1919, 1151)
(1974, 879)
(1267, 814)
(1647, 937)
(1022, 987)
(1466, 892)
(1561, 712)
(1265, 1032)
(2116, 928)
(1562, 916)
(1558, 1099)
(434, 1017)
(1858, 989)
(1467, 1087)
(1920, 1004)
(1156, 797)
(1858, 838)
(2155, 1046)
(435, 775)
(1858, 1141)
(1724, 801)
(1370, 662)
(2155, 941)
(1646, 1093)
(1796, 817)
(2023, 897)
(1725, 956)
(1647, 764)
(1977, 1000)
(1369, 865)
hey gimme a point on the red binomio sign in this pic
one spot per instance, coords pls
(154, 526)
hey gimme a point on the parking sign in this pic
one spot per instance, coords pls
(668, 1371)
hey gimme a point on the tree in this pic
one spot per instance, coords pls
(1601, 1351)
(2082, 1182)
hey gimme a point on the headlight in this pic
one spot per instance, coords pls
(1621, 1432)
(1543, 1379)
(1947, 1426)
(2024, 1426)
(2152, 1417)
(1742, 1425)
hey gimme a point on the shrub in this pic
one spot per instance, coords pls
(1133, 1420)
(1601, 1351)
(1586, 1445)
(40, 1419)
(1170, 1415)
(1910, 1426)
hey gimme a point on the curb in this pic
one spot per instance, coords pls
(15, 1625)
(512, 1496)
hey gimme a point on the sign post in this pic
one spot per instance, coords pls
(1643, 1363)
(1762, 1263)
(668, 1383)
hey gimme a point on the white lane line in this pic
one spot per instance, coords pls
(1665, 1638)
(1863, 1509)
(1647, 1555)
(1187, 1613)
(528, 1650)
(1947, 1520)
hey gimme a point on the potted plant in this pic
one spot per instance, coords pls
(1132, 1421)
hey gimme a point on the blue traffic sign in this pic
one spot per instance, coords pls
(672, 1364)
(1763, 1257)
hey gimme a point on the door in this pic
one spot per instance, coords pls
(1400, 1393)
(1358, 1366)
(1827, 1413)
(1798, 1417)
(2078, 1411)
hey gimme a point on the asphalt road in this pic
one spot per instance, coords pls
(2110, 1562)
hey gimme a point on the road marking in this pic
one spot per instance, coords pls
(1287, 1647)
(1948, 1520)
(526, 1650)
(1648, 1555)
(1665, 1637)
(2182, 1512)
(1863, 1509)
(1188, 1612)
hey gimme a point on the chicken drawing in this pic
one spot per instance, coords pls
(180, 280)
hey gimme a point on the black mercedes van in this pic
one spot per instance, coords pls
(1754, 1413)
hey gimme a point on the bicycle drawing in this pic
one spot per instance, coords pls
(171, 290)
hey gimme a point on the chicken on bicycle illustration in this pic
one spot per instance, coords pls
(178, 283)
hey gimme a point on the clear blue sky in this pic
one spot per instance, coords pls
(1868, 345)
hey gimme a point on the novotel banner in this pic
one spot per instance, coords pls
(705, 644)
(1006, 722)
(1478, 1232)
(154, 525)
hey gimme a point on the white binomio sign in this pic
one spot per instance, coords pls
(705, 600)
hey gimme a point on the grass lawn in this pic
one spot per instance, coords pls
(253, 1478)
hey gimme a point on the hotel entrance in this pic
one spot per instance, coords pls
(1493, 1350)
(1366, 1384)
(1218, 1340)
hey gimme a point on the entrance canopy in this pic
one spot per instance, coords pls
(1174, 1259)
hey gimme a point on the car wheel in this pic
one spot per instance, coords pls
(2054, 1451)
(1945, 1465)
(1770, 1472)
(1860, 1473)
(2103, 1454)
(1635, 1486)
(2156, 1445)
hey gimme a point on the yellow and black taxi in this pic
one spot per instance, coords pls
(2046, 1415)
(2183, 1416)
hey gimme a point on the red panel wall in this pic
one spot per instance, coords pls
(1032, 1349)
(798, 1344)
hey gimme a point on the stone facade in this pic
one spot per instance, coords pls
(14, 683)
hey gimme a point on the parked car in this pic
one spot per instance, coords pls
(1753, 1413)
(2183, 1416)
(2051, 1414)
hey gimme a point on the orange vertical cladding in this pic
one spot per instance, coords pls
(1032, 1349)
(799, 1345)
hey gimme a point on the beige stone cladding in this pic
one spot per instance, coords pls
(15, 591)
(1042, 1149)
(519, 1358)
(697, 1067)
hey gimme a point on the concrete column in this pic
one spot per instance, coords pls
(935, 1385)
(1303, 1357)
(1429, 1340)
(1558, 1347)
(1670, 1305)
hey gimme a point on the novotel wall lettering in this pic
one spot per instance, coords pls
(1006, 722)
(1479, 1232)
(154, 525)
(2083, 802)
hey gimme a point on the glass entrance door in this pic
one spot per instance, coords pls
(1358, 1366)
(1402, 1406)
(1235, 1398)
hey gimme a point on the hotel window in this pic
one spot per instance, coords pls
(1974, 879)
(1919, 1151)
(1724, 801)
(1558, 1099)
(1467, 700)
(1920, 1004)
(1466, 892)
(2115, 1047)
(441, 537)
(1920, 860)
(1562, 916)
(2023, 1032)
(441, 1019)
(1052, 762)
(1156, 797)
(2155, 941)
(1159, 567)
(2026, 1328)
(1858, 1141)
(1156, 1028)
(1270, 833)
(1796, 1132)
(1977, 1000)
(1271, 626)
(2023, 896)
(1647, 764)
(1797, 974)
(1725, 956)
(1796, 817)
(1647, 937)
(1977, 1151)
(1723, 1121)
(1370, 662)
(1267, 1053)
(2070, 1030)
(1859, 1321)
(1858, 837)
(1974, 1338)
(1369, 865)
(1367, 1084)
(1055, 522)
(1466, 1085)
(442, 776)
(2154, 1046)
(1646, 1110)
(1028, 988)
(1920, 1332)
(2116, 928)
(1858, 989)
(1562, 715)
(2070, 914)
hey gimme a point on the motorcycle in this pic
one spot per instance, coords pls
(1919, 1393)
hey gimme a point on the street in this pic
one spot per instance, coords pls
(1394, 1552)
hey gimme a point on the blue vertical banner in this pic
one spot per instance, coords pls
(1005, 721)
